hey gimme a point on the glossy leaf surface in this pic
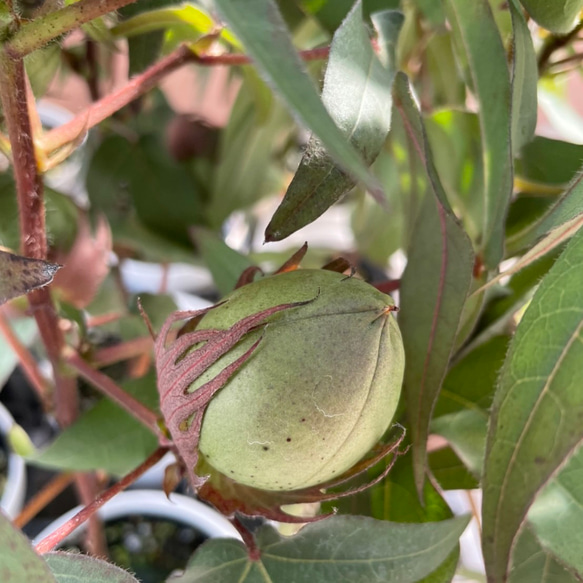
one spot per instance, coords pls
(357, 93)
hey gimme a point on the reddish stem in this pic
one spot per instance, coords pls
(141, 84)
(53, 539)
(27, 362)
(42, 498)
(123, 351)
(102, 382)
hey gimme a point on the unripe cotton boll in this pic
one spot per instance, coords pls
(319, 391)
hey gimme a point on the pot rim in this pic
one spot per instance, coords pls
(155, 504)
(14, 492)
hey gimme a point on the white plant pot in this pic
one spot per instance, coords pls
(155, 504)
(15, 488)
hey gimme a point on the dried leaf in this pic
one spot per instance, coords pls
(19, 275)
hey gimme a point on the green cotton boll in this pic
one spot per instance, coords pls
(318, 393)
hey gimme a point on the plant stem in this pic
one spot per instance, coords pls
(553, 43)
(29, 190)
(27, 362)
(123, 351)
(52, 540)
(102, 382)
(43, 30)
(42, 498)
(141, 84)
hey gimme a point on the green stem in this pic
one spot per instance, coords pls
(43, 30)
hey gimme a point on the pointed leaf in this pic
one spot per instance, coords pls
(18, 561)
(433, 289)
(261, 29)
(347, 548)
(524, 81)
(105, 437)
(77, 568)
(533, 564)
(481, 44)
(19, 275)
(357, 93)
(557, 515)
(535, 422)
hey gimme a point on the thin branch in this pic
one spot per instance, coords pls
(554, 43)
(87, 489)
(53, 539)
(141, 84)
(27, 362)
(36, 34)
(102, 382)
(123, 351)
(43, 497)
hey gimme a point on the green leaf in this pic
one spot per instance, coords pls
(548, 161)
(18, 561)
(568, 208)
(357, 93)
(239, 180)
(449, 471)
(466, 433)
(482, 46)
(535, 422)
(26, 331)
(143, 49)
(224, 263)
(348, 548)
(42, 66)
(77, 568)
(20, 275)
(105, 437)
(557, 515)
(433, 289)
(524, 81)
(259, 26)
(124, 176)
(446, 571)
(470, 384)
(558, 16)
(533, 564)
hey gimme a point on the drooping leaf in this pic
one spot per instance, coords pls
(257, 23)
(524, 81)
(357, 93)
(531, 563)
(224, 263)
(19, 275)
(433, 289)
(557, 16)
(535, 422)
(351, 548)
(557, 515)
(105, 437)
(78, 568)
(18, 561)
(478, 35)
